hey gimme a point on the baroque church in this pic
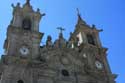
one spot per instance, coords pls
(80, 59)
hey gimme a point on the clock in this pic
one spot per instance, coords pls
(98, 65)
(24, 50)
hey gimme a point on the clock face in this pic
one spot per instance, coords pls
(99, 65)
(24, 50)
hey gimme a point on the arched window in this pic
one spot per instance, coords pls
(26, 24)
(90, 39)
(20, 81)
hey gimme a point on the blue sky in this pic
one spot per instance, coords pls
(108, 15)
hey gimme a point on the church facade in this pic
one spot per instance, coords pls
(81, 59)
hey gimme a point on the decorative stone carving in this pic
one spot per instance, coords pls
(49, 43)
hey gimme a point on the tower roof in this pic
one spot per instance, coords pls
(80, 20)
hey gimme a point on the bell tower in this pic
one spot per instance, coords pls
(89, 44)
(23, 36)
(22, 45)
(85, 33)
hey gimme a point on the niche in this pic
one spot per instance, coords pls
(90, 39)
(26, 24)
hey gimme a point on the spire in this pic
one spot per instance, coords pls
(80, 20)
(28, 2)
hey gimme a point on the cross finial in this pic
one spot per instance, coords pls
(61, 29)
(78, 11)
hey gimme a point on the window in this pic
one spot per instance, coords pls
(26, 24)
(65, 72)
(20, 81)
(90, 39)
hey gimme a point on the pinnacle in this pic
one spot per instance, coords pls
(27, 1)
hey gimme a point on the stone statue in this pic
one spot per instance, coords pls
(49, 41)
(61, 42)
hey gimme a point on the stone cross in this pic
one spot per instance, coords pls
(78, 11)
(61, 29)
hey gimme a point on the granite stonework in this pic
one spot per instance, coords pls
(81, 59)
